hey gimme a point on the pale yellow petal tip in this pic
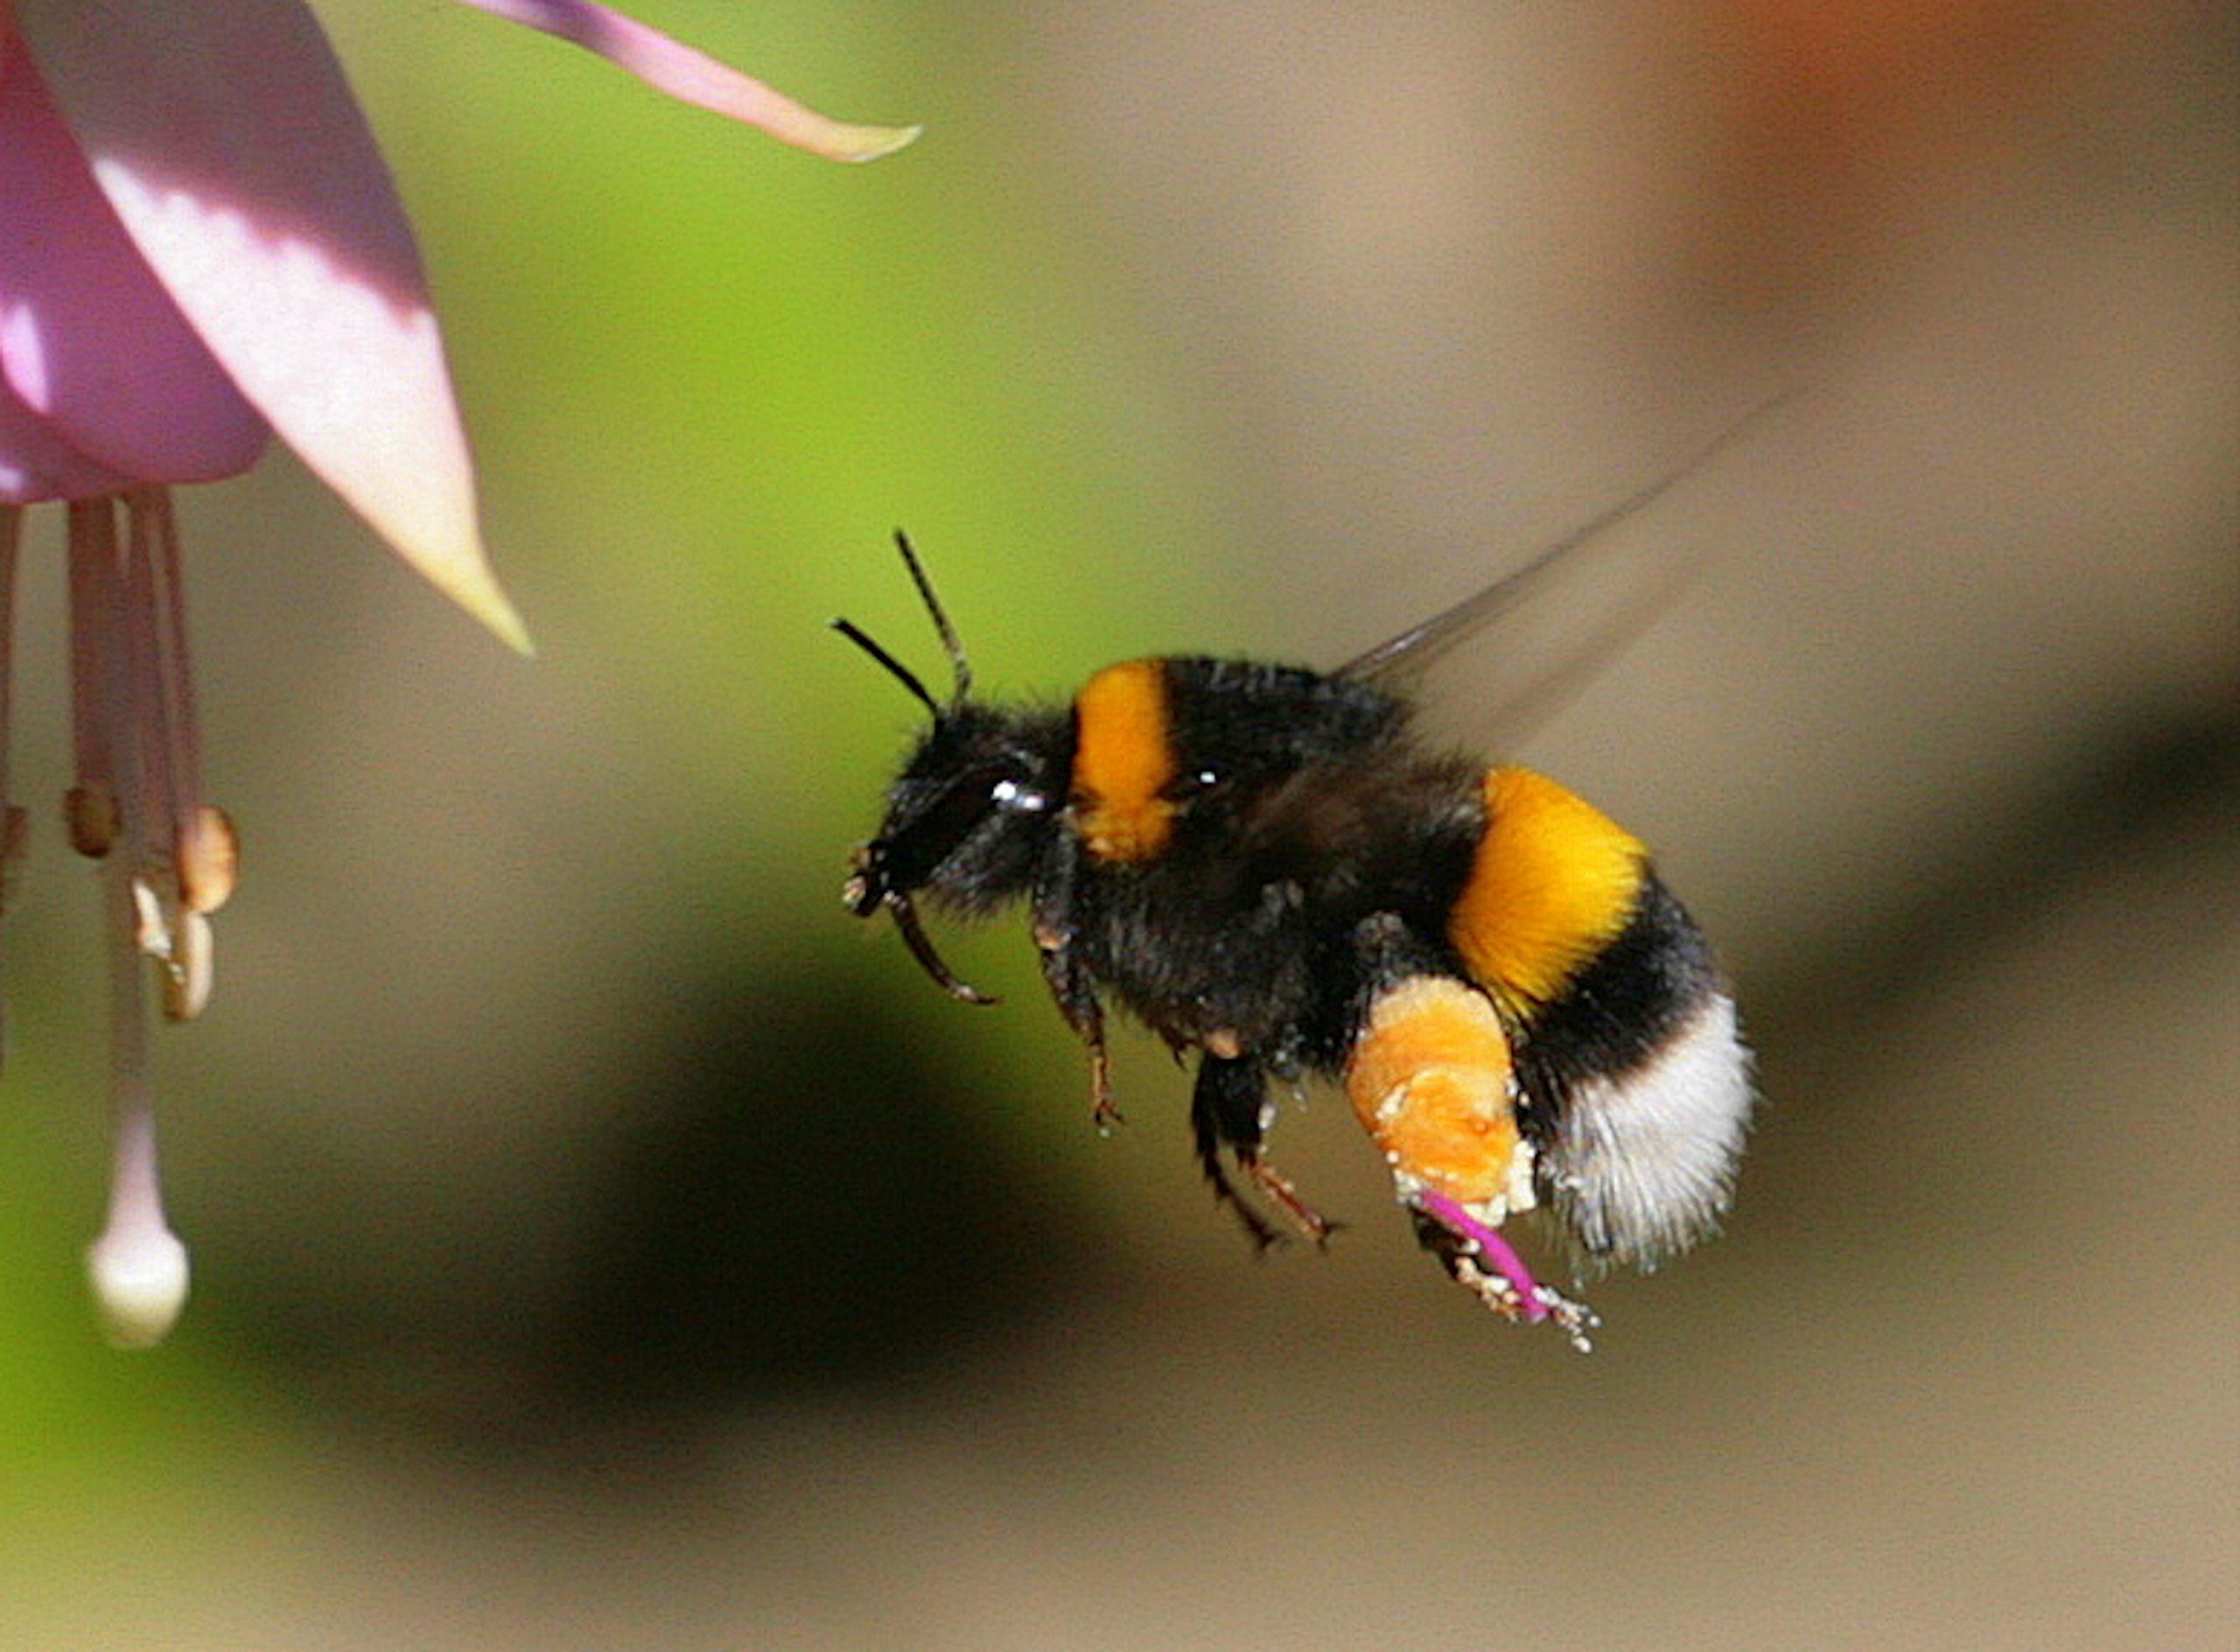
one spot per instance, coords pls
(505, 624)
(802, 128)
(139, 1281)
(473, 589)
(854, 143)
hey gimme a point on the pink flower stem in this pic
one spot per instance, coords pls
(186, 754)
(93, 632)
(12, 527)
(11, 818)
(151, 728)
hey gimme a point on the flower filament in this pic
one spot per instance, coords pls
(167, 859)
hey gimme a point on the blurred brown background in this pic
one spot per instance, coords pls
(602, 1244)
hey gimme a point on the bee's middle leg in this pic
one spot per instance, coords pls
(1229, 1113)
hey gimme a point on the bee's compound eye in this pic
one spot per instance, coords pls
(1009, 793)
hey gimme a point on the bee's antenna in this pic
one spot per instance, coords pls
(903, 673)
(949, 638)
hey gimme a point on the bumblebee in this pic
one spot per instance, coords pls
(1269, 867)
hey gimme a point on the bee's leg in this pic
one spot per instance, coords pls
(1278, 1186)
(1433, 1078)
(1228, 1110)
(1483, 1262)
(1224, 1110)
(1076, 997)
(1104, 1112)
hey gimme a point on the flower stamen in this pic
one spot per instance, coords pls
(209, 860)
(168, 860)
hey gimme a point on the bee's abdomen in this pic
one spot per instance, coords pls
(1637, 1082)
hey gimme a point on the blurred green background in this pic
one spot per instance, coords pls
(601, 1241)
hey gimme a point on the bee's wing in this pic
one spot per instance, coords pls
(1548, 651)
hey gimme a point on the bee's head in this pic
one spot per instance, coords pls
(968, 817)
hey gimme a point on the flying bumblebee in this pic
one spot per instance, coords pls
(1267, 867)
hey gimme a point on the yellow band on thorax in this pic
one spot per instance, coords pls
(1124, 761)
(1553, 882)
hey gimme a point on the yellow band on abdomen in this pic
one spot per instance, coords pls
(1553, 882)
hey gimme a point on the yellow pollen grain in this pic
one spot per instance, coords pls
(1553, 882)
(1124, 761)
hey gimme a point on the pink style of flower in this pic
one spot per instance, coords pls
(200, 248)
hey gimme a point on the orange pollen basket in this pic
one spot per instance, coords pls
(1431, 1083)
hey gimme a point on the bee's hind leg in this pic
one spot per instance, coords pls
(1228, 1110)
(1278, 1186)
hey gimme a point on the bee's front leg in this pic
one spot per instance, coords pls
(1074, 991)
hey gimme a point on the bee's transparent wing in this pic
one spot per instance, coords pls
(1612, 585)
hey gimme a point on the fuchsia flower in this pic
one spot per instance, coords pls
(199, 246)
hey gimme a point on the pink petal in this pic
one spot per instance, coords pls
(693, 77)
(227, 142)
(37, 464)
(90, 344)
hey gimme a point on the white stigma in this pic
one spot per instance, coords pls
(139, 1277)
